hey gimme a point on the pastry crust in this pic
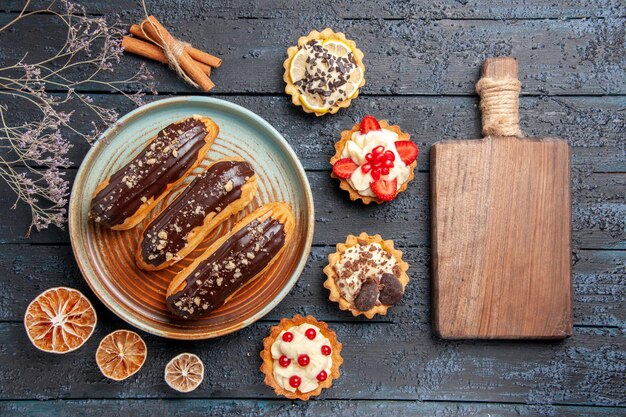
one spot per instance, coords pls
(278, 211)
(266, 355)
(143, 210)
(292, 89)
(334, 258)
(346, 135)
(211, 221)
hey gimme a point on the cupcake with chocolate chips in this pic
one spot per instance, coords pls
(323, 72)
(301, 357)
(366, 275)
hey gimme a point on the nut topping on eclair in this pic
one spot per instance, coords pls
(224, 188)
(124, 199)
(252, 246)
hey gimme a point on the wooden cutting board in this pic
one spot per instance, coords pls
(501, 225)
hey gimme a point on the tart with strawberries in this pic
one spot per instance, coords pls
(374, 161)
(324, 72)
(301, 357)
(366, 275)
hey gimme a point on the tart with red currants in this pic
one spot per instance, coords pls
(301, 357)
(366, 275)
(374, 161)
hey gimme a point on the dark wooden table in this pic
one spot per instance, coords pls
(422, 62)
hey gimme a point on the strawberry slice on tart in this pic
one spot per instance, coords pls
(369, 123)
(385, 190)
(407, 150)
(344, 168)
(374, 167)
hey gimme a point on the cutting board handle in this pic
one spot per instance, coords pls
(499, 90)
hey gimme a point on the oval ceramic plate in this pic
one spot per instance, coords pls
(106, 257)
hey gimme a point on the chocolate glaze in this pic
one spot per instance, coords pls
(210, 192)
(238, 259)
(164, 161)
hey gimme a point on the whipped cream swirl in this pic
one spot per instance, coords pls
(300, 345)
(360, 263)
(360, 145)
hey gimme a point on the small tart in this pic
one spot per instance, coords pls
(335, 258)
(346, 136)
(275, 337)
(300, 97)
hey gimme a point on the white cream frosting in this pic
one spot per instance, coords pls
(360, 145)
(357, 264)
(298, 346)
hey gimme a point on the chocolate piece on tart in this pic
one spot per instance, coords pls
(121, 201)
(367, 296)
(391, 290)
(248, 250)
(223, 189)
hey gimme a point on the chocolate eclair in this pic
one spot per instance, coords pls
(121, 201)
(224, 188)
(250, 248)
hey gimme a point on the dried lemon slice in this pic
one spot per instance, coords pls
(354, 81)
(336, 48)
(313, 103)
(297, 69)
(185, 372)
(121, 354)
(59, 320)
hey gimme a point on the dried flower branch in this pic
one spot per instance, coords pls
(33, 153)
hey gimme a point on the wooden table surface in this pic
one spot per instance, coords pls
(422, 62)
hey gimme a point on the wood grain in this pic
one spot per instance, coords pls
(422, 64)
(594, 126)
(280, 408)
(387, 9)
(501, 220)
(599, 286)
(501, 234)
(416, 57)
(381, 361)
(598, 214)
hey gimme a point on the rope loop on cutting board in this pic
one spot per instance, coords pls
(499, 106)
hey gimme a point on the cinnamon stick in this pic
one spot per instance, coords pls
(158, 34)
(196, 54)
(202, 56)
(151, 51)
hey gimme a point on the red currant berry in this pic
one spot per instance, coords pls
(378, 150)
(326, 350)
(295, 381)
(322, 376)
(366, 167)
(284, 361)
(287, 336)
(310, 334)
(303, 360)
